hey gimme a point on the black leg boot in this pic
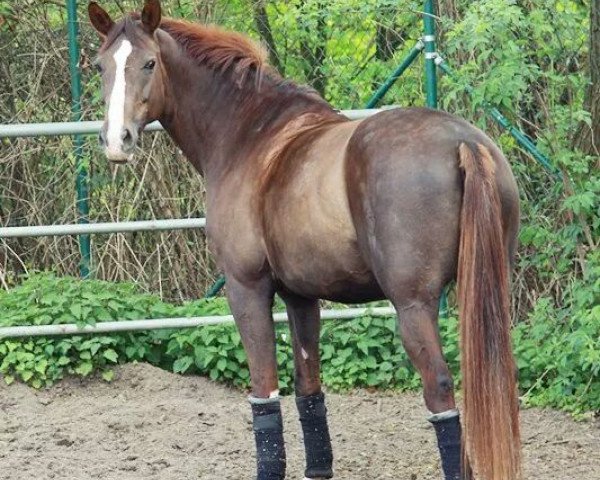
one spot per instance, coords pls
(448, 431)
(268, 433)
(317, 443)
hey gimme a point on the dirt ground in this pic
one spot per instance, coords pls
(150, 424)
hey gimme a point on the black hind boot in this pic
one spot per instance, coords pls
(317, 442)
(448, 431)
(268, 433)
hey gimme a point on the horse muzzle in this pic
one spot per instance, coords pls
(119, 151)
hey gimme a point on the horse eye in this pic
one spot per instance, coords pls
(98, 67)
(150, 65)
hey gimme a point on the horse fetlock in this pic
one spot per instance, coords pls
(268, 434)
(317, 441)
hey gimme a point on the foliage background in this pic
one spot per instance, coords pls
(533, 58)
(558, 361)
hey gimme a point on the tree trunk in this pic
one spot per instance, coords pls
(587, 138)
(261, 19)
(314, 57)
(389, 36)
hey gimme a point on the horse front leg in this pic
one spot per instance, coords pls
(251, 304)
(305, 326)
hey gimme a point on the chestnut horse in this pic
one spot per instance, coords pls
(307, 204)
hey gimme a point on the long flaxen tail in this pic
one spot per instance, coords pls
(491, 441)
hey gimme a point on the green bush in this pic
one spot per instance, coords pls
(364, 352)
(45, 299)
(557, 349)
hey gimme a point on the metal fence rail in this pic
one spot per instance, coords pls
(172, 323)
(95, 228)
(91, 128)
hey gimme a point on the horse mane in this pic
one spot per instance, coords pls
(208, 45)
(218, 48)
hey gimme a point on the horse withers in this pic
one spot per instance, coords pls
(307, 204)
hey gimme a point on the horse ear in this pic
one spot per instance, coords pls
(151, 15)
(100, 19)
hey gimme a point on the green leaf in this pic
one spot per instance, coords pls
(76, 310)
(84, 369)
(111, 355)
(62, 361)
(182, 364)
(363, 347)
(85, 355)
(41, 366)
(222, 364)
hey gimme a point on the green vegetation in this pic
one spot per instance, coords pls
(537, 60)
(558, 358)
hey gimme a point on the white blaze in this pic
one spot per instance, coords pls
(116, 105)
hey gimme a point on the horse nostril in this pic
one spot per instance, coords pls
(126, 136)
(102, 139)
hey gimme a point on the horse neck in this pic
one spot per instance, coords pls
(217, 123)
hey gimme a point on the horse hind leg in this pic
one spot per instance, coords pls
(420, 337)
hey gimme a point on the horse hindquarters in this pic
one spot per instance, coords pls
(406, 207)
(414, 209)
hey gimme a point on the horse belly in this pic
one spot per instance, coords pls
(319, 263)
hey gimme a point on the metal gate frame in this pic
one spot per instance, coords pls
(78, 129)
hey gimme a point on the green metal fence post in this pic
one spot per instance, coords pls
(430, 54)
(443, 306)
(410, 58)
(216, 287)
(432, 92)
(83, 207)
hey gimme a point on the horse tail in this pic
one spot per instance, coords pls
(491, 441)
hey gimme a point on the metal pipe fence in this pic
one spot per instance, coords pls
(93, 127)
(102, 228)
(172, 323)
(82, 182)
